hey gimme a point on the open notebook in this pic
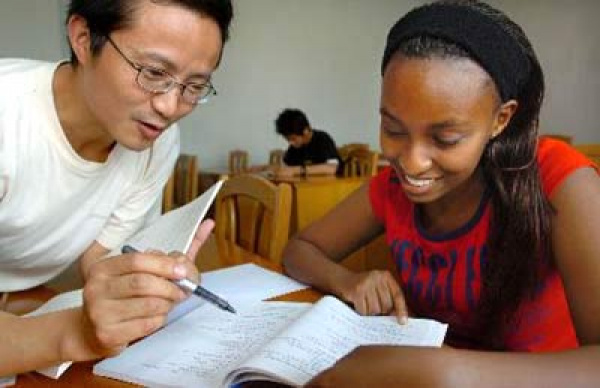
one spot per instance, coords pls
(284, 342)
(172, 231)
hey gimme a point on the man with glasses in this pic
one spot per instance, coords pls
(86, 146)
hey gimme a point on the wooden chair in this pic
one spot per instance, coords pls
(361, 162)
(238, 161)
(346, 149)
(255, 214)
(591, 150)
(276, 157)
(182, 186)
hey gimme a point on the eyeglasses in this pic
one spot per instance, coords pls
(158, 81)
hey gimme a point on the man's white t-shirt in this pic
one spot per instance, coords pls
(53, 203)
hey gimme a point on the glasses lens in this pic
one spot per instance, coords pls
(158, 81)
(198, 93)
(155, 81)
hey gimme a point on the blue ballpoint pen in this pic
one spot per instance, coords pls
(194, 288)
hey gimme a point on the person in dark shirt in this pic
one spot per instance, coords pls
(311, 151)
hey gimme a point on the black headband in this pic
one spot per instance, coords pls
(481, 36)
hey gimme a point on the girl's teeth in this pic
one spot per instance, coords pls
(418, 182)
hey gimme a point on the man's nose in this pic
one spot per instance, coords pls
(167, 104)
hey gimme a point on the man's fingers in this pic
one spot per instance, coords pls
(142, 262)
(136, 285)
(115, 312)
(120, 334)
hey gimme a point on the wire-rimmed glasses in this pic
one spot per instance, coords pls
(158, 81)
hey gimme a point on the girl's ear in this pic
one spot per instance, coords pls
(79, 38)
(503, 117)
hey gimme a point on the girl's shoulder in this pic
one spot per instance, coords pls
(557, 160)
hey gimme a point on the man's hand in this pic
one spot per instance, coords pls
(129, 296)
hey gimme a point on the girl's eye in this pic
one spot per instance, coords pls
(447, 142)
(393, 133)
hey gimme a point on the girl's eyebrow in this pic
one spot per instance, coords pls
(433, 127)
(445, 125)
(390, 116)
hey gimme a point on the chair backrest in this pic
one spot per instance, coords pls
(361, 162)
(182, 186)
(254, 213)
(346, 149)
(591, 150)
(276, 157)
(238, 161)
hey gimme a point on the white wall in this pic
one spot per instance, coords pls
(32, 29)
(323, 56)
(566, 38)
(320, 56)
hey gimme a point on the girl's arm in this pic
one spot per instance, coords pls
(313, 256)
(576, 243)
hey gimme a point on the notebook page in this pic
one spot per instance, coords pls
(326, 333)
(199, 349)
(174, 231)
(249, 282)
(239, 285)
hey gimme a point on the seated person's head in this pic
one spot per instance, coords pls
(293, 125)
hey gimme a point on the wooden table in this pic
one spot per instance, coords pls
(213, 255)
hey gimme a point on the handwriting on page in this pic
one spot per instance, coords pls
(326, 333)
(209, 344)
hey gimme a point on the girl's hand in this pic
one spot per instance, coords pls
(375, 293)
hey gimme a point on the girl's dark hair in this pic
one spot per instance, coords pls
(106, 16)
(519, 237)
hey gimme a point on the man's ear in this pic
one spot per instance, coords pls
(79, 38)
(503, 117)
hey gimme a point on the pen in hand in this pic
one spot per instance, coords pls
(194, 288)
